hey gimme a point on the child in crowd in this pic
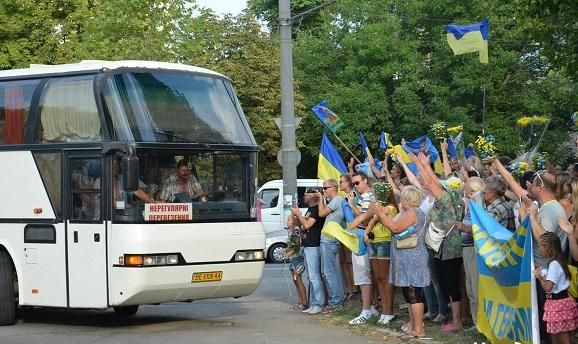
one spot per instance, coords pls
(560, 310)
(296, 261)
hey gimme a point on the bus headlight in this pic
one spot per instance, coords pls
(243, 256)
(149, 260)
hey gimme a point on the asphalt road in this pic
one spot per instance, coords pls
(264, 317)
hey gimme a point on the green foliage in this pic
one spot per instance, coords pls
(386, 65)
(381, 64)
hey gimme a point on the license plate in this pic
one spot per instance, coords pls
(207, 276)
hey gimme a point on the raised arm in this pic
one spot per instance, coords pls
(514, 186)
(376, 172)
(445, 159)
(385, 172)
(430, 179)
(408, 173)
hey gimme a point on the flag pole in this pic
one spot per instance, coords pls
(343, 144)
(484, 101)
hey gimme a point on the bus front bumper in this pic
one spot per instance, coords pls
(153, 285)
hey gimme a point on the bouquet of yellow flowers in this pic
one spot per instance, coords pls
(535, 120)
(518, 168)
(439, 130)
(485, 146)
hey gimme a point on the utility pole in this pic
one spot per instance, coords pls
(288, 143)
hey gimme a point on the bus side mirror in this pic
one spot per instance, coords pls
(130, 170)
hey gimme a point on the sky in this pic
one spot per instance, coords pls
(224, 6)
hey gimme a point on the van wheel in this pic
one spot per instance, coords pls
(125, 310)
(276, 253)
(7, 300)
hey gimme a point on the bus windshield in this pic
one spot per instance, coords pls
(162, 106)
(199, 186)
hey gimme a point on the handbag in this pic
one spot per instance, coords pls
(435, 236)
(573, 288)
(409, 239)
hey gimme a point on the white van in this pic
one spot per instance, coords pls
(274, 215)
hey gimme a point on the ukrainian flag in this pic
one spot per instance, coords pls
(470, 39)
(505, 308)
(424, 144)
(384, 141)
(330, 164)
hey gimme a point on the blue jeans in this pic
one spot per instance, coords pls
(313, 262)
(433, 294)
(332, 271)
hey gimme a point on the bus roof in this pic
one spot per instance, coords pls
(97, 66)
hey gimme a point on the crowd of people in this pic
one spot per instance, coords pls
(438, 276)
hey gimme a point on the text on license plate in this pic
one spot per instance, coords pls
(207, 276)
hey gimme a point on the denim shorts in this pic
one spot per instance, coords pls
(297, 264)
(380, 250)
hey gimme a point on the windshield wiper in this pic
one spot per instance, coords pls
(171, 135)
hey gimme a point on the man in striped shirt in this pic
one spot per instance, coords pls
(361, 265)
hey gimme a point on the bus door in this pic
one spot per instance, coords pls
(85, 232)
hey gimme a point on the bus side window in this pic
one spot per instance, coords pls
(85, 187)
(50, 168)
(68, 112)
(15, 97)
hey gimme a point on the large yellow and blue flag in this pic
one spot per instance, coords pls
(327, 117)
(470, 39)
(330, 164)
(505, 307)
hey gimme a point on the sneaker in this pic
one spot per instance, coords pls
(360, 319)
(439, 318)
(428, 316)
(313, 310)
(385, 319)
(373, 311)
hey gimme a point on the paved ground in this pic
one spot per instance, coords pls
(263, 317)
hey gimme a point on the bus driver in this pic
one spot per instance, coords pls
(183, 181)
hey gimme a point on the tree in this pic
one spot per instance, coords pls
(239, 48)
(386, 64)
(268, 11)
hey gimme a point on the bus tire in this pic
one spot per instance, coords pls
(7, 300)
(125, 310)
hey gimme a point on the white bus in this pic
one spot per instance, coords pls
(93, 210)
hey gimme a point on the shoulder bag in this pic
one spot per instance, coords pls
(409, 239)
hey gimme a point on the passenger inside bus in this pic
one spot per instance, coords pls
(86, 189)
(120, 197)
(183, 181)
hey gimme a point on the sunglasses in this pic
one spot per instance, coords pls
(356, 183)
(328, 187)
(537, 175)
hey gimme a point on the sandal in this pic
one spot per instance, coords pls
(449, 328)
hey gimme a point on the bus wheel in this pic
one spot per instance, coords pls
(125, 310)
(7, 300)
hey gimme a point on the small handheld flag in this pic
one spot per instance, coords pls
(364, 147)
(470, 39)
(384, 141)
(327, 117)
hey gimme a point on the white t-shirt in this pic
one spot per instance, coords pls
(557, 276)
